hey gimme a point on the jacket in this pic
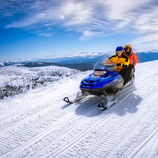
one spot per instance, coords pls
(132, 58)
(121, 62)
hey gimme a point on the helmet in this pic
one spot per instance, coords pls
(119, 49)
(128, 45)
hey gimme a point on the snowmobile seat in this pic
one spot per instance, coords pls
(131, 72)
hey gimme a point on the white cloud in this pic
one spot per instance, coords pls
(138, 17)
(41, 15)
(123, 9)
(91, 18)
(62, 17)
(147, 21)
(45, 34)
(147, 38)
(76, 13)
(148, 41)
(89, 34)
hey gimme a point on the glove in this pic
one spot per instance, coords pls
(119, 64)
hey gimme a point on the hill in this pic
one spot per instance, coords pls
(81, 61)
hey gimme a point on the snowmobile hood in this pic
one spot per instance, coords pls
(95, 82)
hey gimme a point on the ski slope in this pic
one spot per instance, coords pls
(39, 124)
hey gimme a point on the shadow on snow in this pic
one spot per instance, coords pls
(128, 103)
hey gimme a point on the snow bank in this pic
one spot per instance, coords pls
(14, 80)
(1, 64)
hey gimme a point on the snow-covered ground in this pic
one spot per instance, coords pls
(39, 124)
(15, 80)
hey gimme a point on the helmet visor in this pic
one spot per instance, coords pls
(119, 52)
(127, 48)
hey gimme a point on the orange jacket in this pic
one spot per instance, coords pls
(132, 58)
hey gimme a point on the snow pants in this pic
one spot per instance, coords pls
(124, 73)
(131, 69)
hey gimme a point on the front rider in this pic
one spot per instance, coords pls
(122, 62)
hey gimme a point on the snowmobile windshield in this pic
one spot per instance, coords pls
(104, 64)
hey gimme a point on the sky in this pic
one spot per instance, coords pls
(40, 28)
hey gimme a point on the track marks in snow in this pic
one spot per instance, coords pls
(70, 123)
(140, 128)
(33, 128)
(137, 152)
(82, 130)
(72, 135)
(114, 141)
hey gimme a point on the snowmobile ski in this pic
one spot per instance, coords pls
(79, 97)
(66, 99)
(103, 106)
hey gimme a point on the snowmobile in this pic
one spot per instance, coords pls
(104, 82)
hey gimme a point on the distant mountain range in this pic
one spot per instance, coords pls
(81, 61)
(1, 64)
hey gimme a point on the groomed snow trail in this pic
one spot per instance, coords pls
(39, 124)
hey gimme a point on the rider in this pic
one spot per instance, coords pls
(132, 57)
(122, 62)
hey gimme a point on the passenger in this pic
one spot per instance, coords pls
(122, 62)
(132, 57)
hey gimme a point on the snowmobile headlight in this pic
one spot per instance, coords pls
(99, 73)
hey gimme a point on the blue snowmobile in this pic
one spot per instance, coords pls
(104, 82)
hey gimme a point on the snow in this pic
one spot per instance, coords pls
(40, 124)
(1, 64)
(14, 79)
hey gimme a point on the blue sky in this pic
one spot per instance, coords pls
(40, 28)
